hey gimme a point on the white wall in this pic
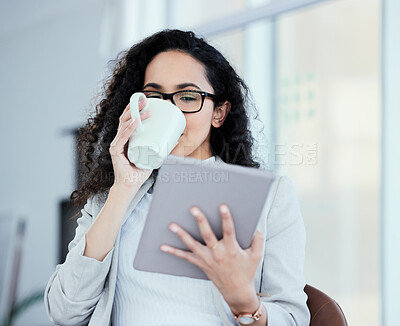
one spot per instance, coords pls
(53, 55)
(49, 69)
(390, 226)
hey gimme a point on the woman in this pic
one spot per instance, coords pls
(97, 283)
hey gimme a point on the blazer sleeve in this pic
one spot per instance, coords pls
(76, 285)
(282, 274)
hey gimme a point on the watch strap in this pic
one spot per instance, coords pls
(255, 316)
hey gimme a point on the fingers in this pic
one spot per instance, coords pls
(123, 134)
(123, 125)
(210, 260)
(124, 131)
(142, 104)
(195, 246)
(228, 228)
(187, 255)
(127, 112)
(126, 128)
(256, 248)
(126, 118)
(205, 230)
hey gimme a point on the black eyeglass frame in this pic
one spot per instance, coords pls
(170, 96)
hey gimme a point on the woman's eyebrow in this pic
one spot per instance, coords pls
(153, 85)
(179, 86)
(184, 85)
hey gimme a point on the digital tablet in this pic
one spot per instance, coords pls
(183, 182)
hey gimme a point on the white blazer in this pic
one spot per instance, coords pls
(77, 294)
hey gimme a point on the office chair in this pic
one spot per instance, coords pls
(324, 310)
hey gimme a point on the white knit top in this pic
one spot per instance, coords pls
(146, 298)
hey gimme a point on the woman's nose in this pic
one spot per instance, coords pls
(170, 101)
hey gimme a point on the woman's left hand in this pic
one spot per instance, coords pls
(231, 268)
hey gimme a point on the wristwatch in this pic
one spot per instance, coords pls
(248, 318)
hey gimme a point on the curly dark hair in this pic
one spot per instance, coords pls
(232, 141)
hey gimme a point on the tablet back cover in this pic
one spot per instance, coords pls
(185, 182)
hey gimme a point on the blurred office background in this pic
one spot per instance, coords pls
(323, 76)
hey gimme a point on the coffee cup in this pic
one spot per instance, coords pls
(155, 137)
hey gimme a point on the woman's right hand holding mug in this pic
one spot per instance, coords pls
(126, 174)
(103, 232)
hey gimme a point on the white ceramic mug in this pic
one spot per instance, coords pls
(155, 137)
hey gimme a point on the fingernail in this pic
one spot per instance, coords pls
(224, 209)
(163, 248)
(173, 228)
(195, 211)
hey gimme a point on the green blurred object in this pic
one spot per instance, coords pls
(21, 306)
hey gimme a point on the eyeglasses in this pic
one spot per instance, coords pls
(189, 101)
